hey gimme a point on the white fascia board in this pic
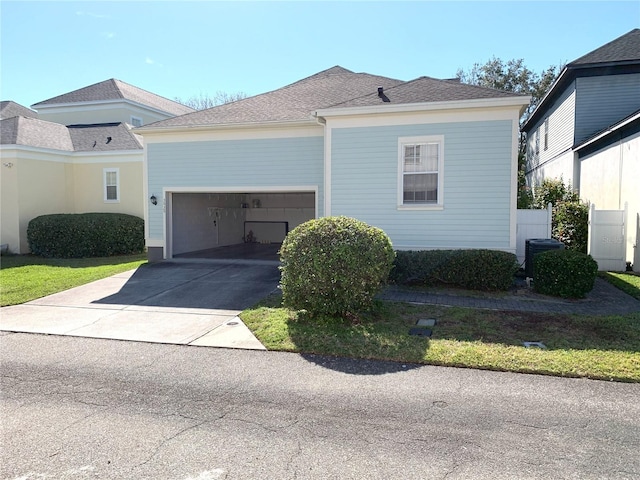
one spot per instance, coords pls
(233, 132)
(243, 189)
(65, 156)
(151, 130)
(429, 106)
(98, 105)
(606, 132)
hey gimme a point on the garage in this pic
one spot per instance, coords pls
(234, 225)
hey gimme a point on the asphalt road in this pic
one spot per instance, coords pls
(78, 408)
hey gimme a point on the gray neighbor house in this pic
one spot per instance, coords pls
(431, 162)
(586, 131)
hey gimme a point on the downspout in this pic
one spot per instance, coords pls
(327, 167)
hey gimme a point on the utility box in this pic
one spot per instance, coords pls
(538, 245)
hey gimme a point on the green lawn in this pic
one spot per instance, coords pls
(627, 282)
(27, 277)
(594, 347)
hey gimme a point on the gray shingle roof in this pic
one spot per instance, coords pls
(622, 49)
(10, 109)
(336, 87)
(293, 102)
(114, 89)
(425, 90)
(103, 137)
(34, 133)
(79, 138)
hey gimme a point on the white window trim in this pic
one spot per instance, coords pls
(402, 141)
(104, 184)
(136, 118)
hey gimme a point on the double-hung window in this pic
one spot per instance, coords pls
(111, 177)
(420, 178)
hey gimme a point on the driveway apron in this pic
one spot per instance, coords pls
(191, 303)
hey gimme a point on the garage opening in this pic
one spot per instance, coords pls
(248, 226)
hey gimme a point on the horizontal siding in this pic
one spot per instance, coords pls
(561, 130)
(234, 163)
(603, 101)
(477, 184)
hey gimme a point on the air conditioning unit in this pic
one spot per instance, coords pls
(538, 245)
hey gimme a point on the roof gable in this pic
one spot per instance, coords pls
(294, 102)
(114, 89)
(10, 109)
(622, 49)
(335, 87)
(32, 132)
(620, 56)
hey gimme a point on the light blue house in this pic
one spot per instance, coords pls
(431, 162)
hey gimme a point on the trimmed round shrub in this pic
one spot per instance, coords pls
(85, 235)
(334, 266)
(474, 269)
(564, 273)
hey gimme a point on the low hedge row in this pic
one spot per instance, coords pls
(85, 235)
(473, 269)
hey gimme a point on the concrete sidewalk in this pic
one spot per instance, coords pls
(176, 303)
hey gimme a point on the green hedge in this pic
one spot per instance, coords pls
(85, 235)
(473, 269)
(564, 273)
(334, 266)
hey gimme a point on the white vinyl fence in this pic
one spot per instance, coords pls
(531, 224)
(608, 238)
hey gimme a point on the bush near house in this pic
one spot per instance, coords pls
(473, 269)
(334, 266)
(570, 215)
(85, 235)
(564, 273)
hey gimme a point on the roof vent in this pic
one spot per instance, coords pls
(380, 91)
(109, 139)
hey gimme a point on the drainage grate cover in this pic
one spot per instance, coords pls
(534, 345)
(426, 322)
(232, 323)
(420, 332)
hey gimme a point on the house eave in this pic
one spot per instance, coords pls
(609, 131)
(520, 101)
(68, 153)
(53, 107)
(146, 130)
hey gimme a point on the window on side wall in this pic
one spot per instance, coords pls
(546, 134)
(420, 177)
(111, 178)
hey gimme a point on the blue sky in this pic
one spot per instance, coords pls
(181, 49)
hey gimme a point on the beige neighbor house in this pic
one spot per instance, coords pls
(586, 130)
(75, 153)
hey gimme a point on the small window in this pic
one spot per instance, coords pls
(136, 121)
(111, 185)
(420, 171)
(546, 133)
(537, 139)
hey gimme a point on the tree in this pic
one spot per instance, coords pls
(514, 76)
(204, 101)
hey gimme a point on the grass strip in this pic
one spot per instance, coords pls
(627, 282)
(26, 277)
(598, 347)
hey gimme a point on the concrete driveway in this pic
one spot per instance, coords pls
(191, 303)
